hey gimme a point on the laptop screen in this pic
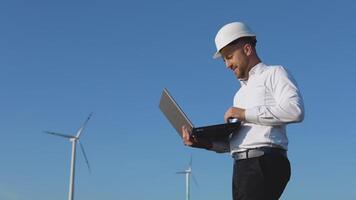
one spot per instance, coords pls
(173, 112)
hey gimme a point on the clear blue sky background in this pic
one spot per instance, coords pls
(61, 60)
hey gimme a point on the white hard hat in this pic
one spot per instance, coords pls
(229, 33)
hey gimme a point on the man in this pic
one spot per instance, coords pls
(266, 102)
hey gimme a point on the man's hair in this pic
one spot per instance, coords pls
(245, 40)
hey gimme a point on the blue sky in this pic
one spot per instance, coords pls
(61, 60)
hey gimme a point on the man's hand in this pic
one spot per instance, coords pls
(234, 112)
(188, 140)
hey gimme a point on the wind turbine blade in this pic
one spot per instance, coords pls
(195, 180)
(59, 134)
(85, 156)
(83, 126)
(181, 172)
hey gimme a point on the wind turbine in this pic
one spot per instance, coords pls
(188, 174)
(74, 140)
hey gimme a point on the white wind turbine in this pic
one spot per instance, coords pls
(74, 140)
(188, 174)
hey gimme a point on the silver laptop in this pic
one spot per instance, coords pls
(178, 118)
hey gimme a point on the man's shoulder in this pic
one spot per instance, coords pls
(275, 70)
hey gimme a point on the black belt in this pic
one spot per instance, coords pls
(253, 153)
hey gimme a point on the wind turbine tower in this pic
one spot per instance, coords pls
(188, 174)
(74, 139)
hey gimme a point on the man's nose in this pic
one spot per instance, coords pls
(228, 64)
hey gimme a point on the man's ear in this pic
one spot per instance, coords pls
(247, 49)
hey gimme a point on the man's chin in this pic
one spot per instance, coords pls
(239, 76)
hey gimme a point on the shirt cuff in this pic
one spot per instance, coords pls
(251, 115)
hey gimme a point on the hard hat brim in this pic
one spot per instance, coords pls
(218, 54)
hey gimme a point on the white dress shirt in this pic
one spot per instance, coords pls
(271, 100)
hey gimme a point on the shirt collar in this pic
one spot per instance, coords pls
(257, 69)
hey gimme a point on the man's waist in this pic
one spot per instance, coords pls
(256, 136)
(258, 152)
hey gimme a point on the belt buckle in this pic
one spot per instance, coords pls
(241, 155)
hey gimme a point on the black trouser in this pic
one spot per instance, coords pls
(260, 178)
